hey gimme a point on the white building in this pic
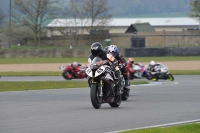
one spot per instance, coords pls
(119, 25)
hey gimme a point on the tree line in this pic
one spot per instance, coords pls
(29, 18)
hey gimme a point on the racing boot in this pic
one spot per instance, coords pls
(127, 83)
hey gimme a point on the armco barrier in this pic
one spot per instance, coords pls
(149, 52)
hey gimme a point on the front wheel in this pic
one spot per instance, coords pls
(170, 77)
(94, 96)
(65, 76)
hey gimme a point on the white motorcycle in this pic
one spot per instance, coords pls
(99, 90)
(161, 72)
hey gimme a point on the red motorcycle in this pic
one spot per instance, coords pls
(69, 73)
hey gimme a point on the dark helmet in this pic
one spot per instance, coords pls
(96, 48)
(106, 48)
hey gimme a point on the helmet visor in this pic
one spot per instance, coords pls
(95, 52)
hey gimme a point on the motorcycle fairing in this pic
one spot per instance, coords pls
(108, 76)
(88, 71)
(99, 71)
(161, 68)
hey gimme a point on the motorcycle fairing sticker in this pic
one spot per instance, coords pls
(99, 71)
(88, 72)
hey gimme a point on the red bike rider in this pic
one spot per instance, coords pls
(129, 67)
(75, 71)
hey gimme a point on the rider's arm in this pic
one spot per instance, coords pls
(89, 61)
(129, 68)
(123, 61)
(113, 60)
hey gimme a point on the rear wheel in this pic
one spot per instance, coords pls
(95, 98)
(125, 94)
(170, 77)
(116, 102)
(154, 79)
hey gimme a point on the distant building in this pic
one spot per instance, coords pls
(140, 27)
(60, 27)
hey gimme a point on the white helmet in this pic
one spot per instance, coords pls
(152, 63)
(74, 64)
(113, 50)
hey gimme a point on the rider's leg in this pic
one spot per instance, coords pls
(125, 74)
(110, 84)
(119, 82)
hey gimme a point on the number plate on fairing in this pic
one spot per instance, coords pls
(88, 71)
(100, 71)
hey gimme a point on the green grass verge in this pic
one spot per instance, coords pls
(59, 73)
(31, 73)
(84, 60)
(185, 72)
(189, 128)
(41, 85)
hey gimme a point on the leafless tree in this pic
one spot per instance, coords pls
(195, 10)
(97, 11)
(93, 13)
(2, 16)
(33, 14)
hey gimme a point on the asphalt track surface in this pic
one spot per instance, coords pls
(70, 110)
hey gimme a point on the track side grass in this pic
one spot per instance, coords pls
(189, 128)
(59, 73)
(41, 85)
(84, 60)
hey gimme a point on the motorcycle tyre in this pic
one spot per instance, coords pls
(93, 96)
(65, 76)
(170, 77)
(117, 101)
(154, 79)
(125, 94)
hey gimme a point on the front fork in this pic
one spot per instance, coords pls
(99, 87)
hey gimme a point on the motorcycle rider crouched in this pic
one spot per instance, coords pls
(130, 69)
(73, 69)
(122, 62)
(97, 50)
(152, 66)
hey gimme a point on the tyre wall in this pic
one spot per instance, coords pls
(148, 52)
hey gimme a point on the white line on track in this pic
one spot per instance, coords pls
(163, 125)
(156, 83)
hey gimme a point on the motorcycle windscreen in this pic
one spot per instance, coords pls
(94, 63)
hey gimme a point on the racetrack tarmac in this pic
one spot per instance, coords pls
(70, 110)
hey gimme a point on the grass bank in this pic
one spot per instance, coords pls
(59, 73)
(41, 85)
(84, 60)
(189, 128)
